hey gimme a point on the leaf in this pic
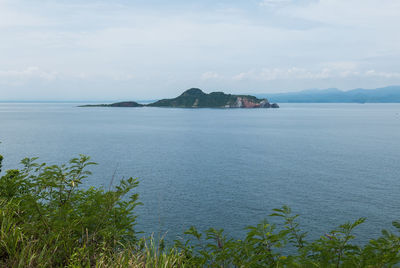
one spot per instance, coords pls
(396, 224)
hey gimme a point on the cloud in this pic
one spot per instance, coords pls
(31, 72)
(24, 76)
(329, 70)
(274, 3)
(295, 73)
(210, 75)
(126, 45)
(373, 73)
(270, 74)
(356, 13)
(14, 17)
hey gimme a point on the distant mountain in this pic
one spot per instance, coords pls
(196, 98)
(117, 104)
(389, 94)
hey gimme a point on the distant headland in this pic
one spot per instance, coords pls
(196, 98)
(390, 94)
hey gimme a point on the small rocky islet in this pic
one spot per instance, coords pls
(196, 98)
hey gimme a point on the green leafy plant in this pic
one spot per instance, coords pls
(53, 211)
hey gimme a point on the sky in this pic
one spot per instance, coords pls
(150, 49)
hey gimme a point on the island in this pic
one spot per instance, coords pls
(196, 98)
(117, 104)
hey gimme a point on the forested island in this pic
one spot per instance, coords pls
(117, 104)
(196, 98)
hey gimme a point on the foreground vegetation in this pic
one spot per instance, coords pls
(48, 220)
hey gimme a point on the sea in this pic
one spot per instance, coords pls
(226, 168)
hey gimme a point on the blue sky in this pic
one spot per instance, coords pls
(109, 50)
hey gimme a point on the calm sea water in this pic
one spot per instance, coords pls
(227, 168)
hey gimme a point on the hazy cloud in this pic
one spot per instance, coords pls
(274, 3)
(210, 75)
(129, 46)
(20, 76)
(296, 73)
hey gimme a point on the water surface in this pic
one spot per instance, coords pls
(227, 168)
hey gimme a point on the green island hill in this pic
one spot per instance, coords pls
(117, 104)
(196, 98)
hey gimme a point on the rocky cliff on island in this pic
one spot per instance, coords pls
(196, 98)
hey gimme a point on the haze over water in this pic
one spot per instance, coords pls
(227, 168)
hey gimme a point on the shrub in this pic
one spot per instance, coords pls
(45, 206)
